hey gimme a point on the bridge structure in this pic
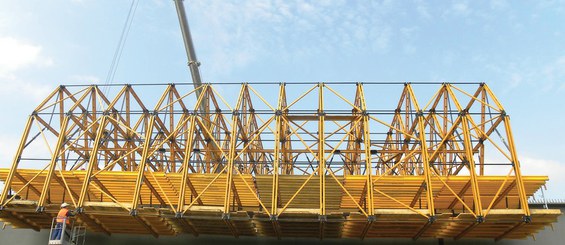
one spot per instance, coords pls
(327, 160)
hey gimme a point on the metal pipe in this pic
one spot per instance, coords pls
(193, 63)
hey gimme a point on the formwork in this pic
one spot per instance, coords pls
(326, 160)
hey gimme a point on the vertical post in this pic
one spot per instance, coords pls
(276, 161)
(53, 163)
(16, 161)
(185, 163)
(517, 171)
(92, 162)
(368, 156)
(424, 153)
(232, 152)
(471, 164)
(143, 164)
(321, 151)
(482, 127)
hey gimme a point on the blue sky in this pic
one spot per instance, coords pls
(517, 47)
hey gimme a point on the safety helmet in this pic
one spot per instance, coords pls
(64, 205)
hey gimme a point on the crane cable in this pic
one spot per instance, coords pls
(121, 44)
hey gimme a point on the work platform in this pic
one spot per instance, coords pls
(286, 160)
(301, 219)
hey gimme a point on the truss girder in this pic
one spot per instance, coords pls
(327, 147)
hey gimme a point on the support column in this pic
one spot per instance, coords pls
(425, 157)
(368, 165)
(53, 163)
(471, 164)
(185, 163)
(232, 153)
(15, 162)
(277, 147)
(92, 162)
(321, 152)
(142, 164)
(517, 171)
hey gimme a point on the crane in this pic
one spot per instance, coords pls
(193, 64)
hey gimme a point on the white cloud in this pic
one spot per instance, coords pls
(20, 91)
(16, 54)
(422, 9)
(554, 169)
(545, 78)
(238, 33)
(84, 79)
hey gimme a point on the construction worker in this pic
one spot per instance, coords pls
(62, 217)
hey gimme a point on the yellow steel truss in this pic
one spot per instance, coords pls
(267, 166)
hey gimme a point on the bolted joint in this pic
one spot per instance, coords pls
(465, 162)
(480, 219)
(106, 113)
(40, 209)
(218, 110)
(365, 113)
(433, 110)
(407, 140)
(225, 216)
(69, 113)
(374, 152)
(389, 133)
(420, 113)
(145, 111)
(34, 113)
(155, 113)
(463, 112)
(79, 210)
(178, 215)
(481, 140)
(323, 218)
(274, 217)
(235, 113)
(133, 212)
(432, 219)
(503, 113)
(128, 85)
(371, 218)
(482, 84)
(397, 110)
(321, 113)
(527, 219)
(278, 113)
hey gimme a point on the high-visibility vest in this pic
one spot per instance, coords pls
(62, 215)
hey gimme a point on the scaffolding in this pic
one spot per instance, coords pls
(327, 160)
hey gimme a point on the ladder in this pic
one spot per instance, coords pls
(66, 234)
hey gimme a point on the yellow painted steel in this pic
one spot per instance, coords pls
(331, 163)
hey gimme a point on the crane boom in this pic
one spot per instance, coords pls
(193, 63)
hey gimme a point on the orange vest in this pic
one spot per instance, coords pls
(62, 215)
